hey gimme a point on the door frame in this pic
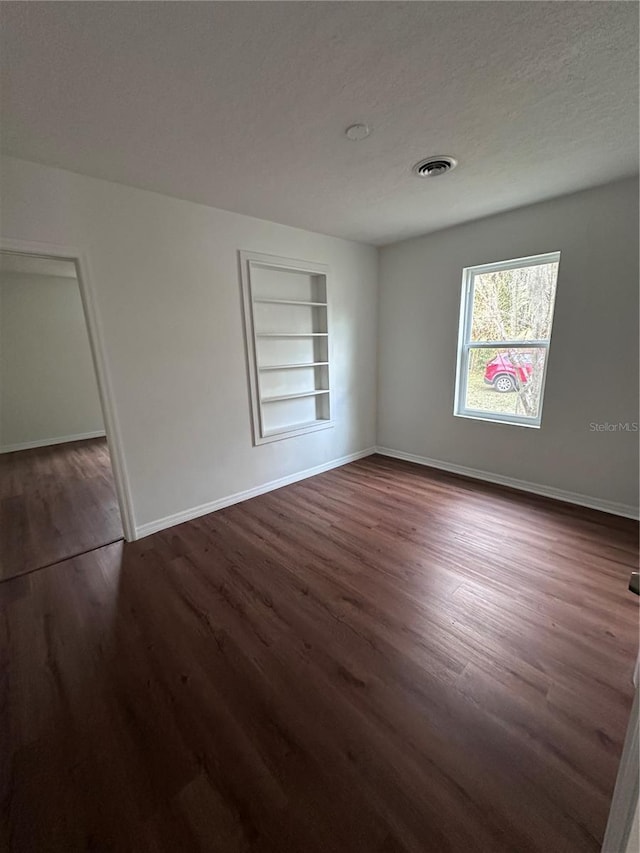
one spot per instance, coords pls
(624, 803)
(96, 342)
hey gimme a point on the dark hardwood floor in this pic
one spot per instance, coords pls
(376, 660)
(55, 502)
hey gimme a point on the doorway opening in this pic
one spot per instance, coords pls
(58, 493)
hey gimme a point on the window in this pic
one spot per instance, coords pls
(286, 309)
(506, 316)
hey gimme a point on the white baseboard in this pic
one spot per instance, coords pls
(204, 509)
(612, 507)
(45, 442)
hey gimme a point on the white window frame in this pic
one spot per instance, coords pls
(465, 344)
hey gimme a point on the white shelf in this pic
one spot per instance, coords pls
(290, 302)
(291, 334)
(288, 344)
(293, 366)
(302, 427)
(316, 393)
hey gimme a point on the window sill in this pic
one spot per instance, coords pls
(493, 419)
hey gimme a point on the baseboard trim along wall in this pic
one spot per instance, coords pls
(204, 509)
(625, 510)
(45, 442)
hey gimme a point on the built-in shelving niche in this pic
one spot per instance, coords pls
(286, 307)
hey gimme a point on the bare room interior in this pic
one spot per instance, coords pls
(319, 368)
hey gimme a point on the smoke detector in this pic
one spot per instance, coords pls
(433, 167)
(356, 132)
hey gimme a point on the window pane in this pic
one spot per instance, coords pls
(505, 381)
(514, 304)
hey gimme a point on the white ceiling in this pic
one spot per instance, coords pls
(244, 105)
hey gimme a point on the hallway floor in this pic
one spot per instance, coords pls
(55, 502)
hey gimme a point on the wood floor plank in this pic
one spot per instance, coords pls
(55, 502)
(381, 659)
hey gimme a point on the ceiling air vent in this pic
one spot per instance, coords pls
(432, 167)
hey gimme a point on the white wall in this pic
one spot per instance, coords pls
(593, 365)
(166, 277)
(48, 389)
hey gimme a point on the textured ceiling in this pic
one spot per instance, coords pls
(243, 106)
